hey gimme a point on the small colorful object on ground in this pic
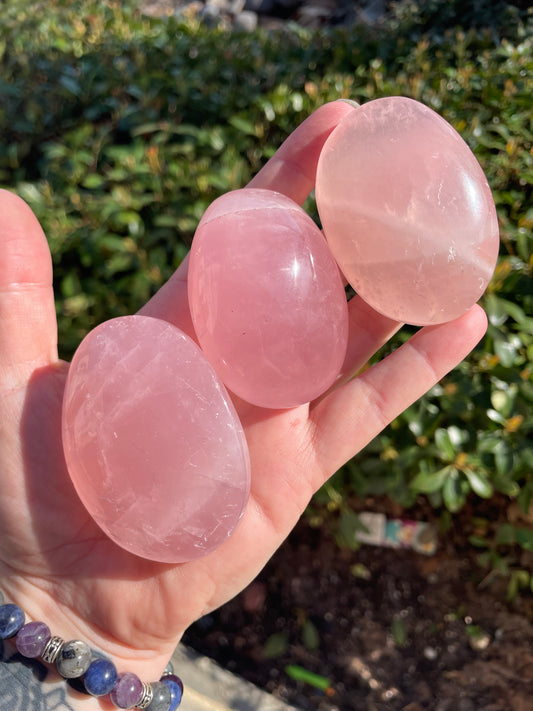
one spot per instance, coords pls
(267, 299)
(152, 441)
(378, 530)
(407, 211)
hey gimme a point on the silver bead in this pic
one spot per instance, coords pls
(146, 696)
(52, 649)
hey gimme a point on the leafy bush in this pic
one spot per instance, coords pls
(119, 130)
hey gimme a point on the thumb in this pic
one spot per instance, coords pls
(28, 330)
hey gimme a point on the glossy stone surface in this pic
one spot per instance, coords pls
(161, 700)
(407, 211)
(175, 685)
(152, 442)
(267, 300)
(74, 659)
(127, 691)
(32, 638)
(100, 677)
(11, 620)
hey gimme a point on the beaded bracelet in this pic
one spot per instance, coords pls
(74, 661)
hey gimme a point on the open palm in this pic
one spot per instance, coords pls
(57, 564)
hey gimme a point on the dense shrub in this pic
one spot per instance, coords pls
(119, 130)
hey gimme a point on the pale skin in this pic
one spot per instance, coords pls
(57, 564)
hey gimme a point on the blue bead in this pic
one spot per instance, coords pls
(161, 697)
(11, 620)
(100, 677)
(175, 685)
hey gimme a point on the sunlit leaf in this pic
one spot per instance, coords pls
(445, 444)
(479, 483)
(427, 482)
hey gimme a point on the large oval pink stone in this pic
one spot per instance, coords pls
(267, 300)
(407, 211)
(152, 442)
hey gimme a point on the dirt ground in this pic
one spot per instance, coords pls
(390, 629)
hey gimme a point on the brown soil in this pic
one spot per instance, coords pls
(413, 633)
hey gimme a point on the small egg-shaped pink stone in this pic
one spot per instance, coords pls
(407, 211)
(152, 441)
(267, 299)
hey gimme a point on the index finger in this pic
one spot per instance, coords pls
(292, 169)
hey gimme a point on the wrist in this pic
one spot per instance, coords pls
(35, 663)
(123, 638)
(30, 684)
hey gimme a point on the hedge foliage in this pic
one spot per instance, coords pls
(119, 130)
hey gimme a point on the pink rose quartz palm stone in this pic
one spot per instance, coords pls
(152, 442)
(267, 299)
(407, 211)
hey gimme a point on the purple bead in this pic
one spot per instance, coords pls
(175, 685)
(11, 620)
(100, 677)
(32, 638)
(127, 691)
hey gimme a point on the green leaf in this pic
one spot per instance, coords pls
(310, 636)
(524, 538)
(300, 674)
(504, 459)
(348, 525)
(519, 580)
(453, 491)
(525, 496)
(505, 535)
(506, 352)
(505, 485)
(478, 541)
(71, 85)
(242, 124)
(496, 311)
(445, 444)
(399, 632)
(479, 483)
(427, 482)
(276, 645)
(93, 181)
(359, 570)
(501, 401)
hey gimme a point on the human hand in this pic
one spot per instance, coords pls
(57, 564)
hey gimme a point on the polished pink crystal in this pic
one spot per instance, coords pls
(152, 442)
(407, 211)
(267, 300)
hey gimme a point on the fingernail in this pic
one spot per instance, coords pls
(350, 102)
